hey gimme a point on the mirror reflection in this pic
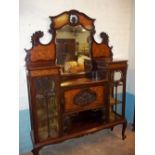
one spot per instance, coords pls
(73, 45)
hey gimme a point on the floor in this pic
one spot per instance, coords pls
(104, 142)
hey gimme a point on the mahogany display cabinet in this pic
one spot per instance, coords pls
(75, 86)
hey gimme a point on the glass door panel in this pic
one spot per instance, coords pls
(46, 108)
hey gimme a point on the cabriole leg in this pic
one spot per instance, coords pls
(35, 151)
(112, 128)
(123, 130)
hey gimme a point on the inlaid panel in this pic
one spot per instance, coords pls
(100, 50)
(87, 98)
(87, 23)
(42, 52)
(60, 20)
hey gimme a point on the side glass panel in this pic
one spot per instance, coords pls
(116, 96)
(73, 46)
(46, 108)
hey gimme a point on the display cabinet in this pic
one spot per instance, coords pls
(75, 86)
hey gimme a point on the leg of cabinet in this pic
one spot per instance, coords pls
(35, 151)
(123, 130)
(111, 128)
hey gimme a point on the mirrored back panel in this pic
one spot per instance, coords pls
(73, 47)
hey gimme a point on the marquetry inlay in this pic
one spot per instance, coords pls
(100, 50)
(60, 21)
(42, 52)
(71, 103)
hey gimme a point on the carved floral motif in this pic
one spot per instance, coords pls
(85, 97)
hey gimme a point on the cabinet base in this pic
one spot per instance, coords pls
(111, 125)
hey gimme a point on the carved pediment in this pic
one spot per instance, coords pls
(73, 18)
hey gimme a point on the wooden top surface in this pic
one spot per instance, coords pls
(81, 81)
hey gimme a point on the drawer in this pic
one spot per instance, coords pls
(82, 99)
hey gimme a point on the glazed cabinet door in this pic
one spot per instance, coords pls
(45, 107)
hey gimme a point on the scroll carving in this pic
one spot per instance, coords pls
(40, 52)
(85, 97)
(105, 38)
(35, 39)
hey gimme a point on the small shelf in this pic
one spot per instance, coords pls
(91, 121)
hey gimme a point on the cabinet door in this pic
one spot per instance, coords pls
(46, 107)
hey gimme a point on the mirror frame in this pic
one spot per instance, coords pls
(72, 18)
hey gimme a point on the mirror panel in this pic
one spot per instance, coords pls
(73, 46)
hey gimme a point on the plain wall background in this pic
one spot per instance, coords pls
(115, 17)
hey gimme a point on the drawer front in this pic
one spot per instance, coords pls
(81, 99)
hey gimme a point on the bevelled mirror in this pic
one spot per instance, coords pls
(73, 47)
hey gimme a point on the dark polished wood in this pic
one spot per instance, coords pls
(67, 105)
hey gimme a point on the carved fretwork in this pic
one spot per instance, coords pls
(85, 97)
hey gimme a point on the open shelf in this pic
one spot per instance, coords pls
(91, 120)
(86, 120)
